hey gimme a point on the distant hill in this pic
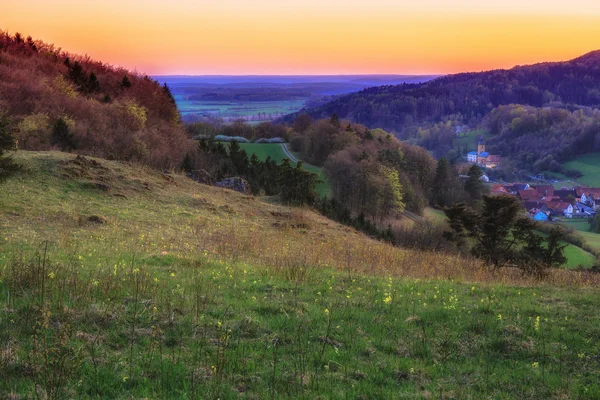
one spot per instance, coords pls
(59, 100)
(260, 98)
(468, 97)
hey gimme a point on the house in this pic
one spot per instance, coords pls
(545, 190)
(529, 195)
(561, 209)
(540, 216)
(534, 206)
(485, 178)
(516, 187)
(482, 157)
(472, 157)
(584, 209)
(493, 161)
(565, 194)
(498, 189)
(588, 196)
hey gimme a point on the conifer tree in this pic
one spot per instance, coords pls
(473, 185)
(61, 136)
(7, 143)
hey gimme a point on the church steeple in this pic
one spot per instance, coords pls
(480, 146)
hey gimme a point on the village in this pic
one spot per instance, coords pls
(544, 203)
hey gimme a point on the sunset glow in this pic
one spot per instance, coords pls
(312, 37)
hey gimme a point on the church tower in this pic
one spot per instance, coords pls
(480, 146)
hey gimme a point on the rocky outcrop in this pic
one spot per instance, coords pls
(238, 184)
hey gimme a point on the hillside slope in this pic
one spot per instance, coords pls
(150, 212)
(118, 281)
(55, 99)
(470, 96)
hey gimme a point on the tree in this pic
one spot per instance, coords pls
(297, 186)
(61, 136)
(167, 92)
(335, 120)
(239, 158)
(125, 83)
(93, 84)
(442, 184)
(473, 185)
(7, 143)
(502, 235)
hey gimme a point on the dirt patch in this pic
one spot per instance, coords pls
(96, 219)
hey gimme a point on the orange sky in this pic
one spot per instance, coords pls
(312, 36)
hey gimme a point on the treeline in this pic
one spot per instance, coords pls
(293, 184)
(468, 97)
(371, 172)
(58, 100)
(252, 94)
(209, 129)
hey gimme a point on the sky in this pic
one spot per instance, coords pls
(311, 37)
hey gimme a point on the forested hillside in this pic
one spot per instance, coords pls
(53, 99)
(468, 97)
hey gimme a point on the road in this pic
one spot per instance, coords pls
(288, 153)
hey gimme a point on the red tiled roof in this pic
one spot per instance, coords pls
(547, 190)
(529, 195)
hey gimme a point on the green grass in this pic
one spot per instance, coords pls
(194, 292)
(583, 229)
(581, 225)
(577, 257)
(264, 150)
(469, 140)
(589, 165)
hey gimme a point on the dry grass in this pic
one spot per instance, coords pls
(153, 213)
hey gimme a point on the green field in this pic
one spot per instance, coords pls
(468, 141)
(188, 291)
(264, 150)
(578, 257)
(252, 111)
(589, 165)
(583, 228)
(580, 225)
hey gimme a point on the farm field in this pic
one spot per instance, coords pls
(589, 165)
(251, 111)
(274, 150)
(180, 290)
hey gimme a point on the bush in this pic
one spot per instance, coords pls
(7, 143)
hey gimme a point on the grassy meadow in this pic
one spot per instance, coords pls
(589, 165)
(468, 141)
(118, 281)
(583, 229)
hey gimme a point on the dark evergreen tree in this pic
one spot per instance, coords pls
(474, 185)
(61, 136)
(126, 83)
(239, 158)
(167, 91)
(502, 235)
(7, 143)
(442, 184)
(93, 85)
